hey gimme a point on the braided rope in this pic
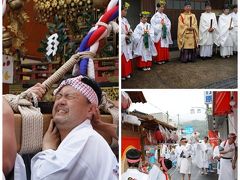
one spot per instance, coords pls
(56, 76)
(32, 121)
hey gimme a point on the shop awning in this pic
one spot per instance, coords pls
(136, 96)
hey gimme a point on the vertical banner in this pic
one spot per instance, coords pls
(213, 138)
(7, 69)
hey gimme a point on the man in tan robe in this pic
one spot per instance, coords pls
(187, 36)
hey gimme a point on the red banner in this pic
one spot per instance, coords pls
(221, 106)
(213, 138)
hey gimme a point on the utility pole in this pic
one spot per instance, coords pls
(178, 120)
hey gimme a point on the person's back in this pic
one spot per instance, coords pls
(134, 174)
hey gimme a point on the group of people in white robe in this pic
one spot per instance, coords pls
(203, 155)
(150, 41)
(222, 33)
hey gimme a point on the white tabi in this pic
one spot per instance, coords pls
(207, 39)
(83, 154)
(126, 48)
(225, 39)
(134, 174)
(186, 163)
(226, 170)
(157, 27)
(138, 47)
(156, 174)
(234, 32)
(216, 153)
(206, 154)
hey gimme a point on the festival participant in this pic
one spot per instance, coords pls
(186, 160)
(225, 24)
(234, 32)
(228, 153)
(187, 35)
(208, 32)
(144, 47)
(162, 33)
(70, 144)
(133, 159)
(160, 172)
(126, 44)
(216, 155)
(206, 155)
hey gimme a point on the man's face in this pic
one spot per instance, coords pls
(231, 140)
(144, 19)
(70, 108)
(161, 8)
(226, 11)
(205, 140)
(208, 9)
(124, 12)
(235, 10)
(187, 8)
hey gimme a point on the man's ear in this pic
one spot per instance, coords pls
(91, 110)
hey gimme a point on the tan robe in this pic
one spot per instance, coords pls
(187, 39)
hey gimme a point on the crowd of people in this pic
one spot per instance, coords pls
(183, 156)
(149, 42)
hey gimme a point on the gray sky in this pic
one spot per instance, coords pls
(175, 102)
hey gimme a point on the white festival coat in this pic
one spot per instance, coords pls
(83, 154)
(126, 48)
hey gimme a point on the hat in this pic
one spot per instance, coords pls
(145, 14)
(187, 2)
(125, 5)
(207, 3)
(161, 3)
(166, 164)
(85, 89)
(133, 155)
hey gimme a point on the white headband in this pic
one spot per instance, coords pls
(83, 88)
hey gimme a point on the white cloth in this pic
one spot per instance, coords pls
(226, 170)
(138, 44)
(82, 154)
(165, 152)
(206, 50)
(177, 155)
(157, 27)
(234, 32)
(206, 154)
(225, 39)
(205, 37)
(227, 147)
(126, 48)
(135, 174)
(186, 163)
(19, 169)
(156, 174)
(216, 153)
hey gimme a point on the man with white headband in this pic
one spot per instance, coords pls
(82, 152)
(133, 159)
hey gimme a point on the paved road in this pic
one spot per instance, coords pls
(196, 175)
(215, 73)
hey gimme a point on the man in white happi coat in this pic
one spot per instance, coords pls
(186, 160)
(225, 26)
(228, 153)
(159, 171)
(234, 32)
(82, 152)
(216, 155)
(162, 33)
(143, 45)
(126, 44)
(205, 155)
(208, 32)
(133, 160)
